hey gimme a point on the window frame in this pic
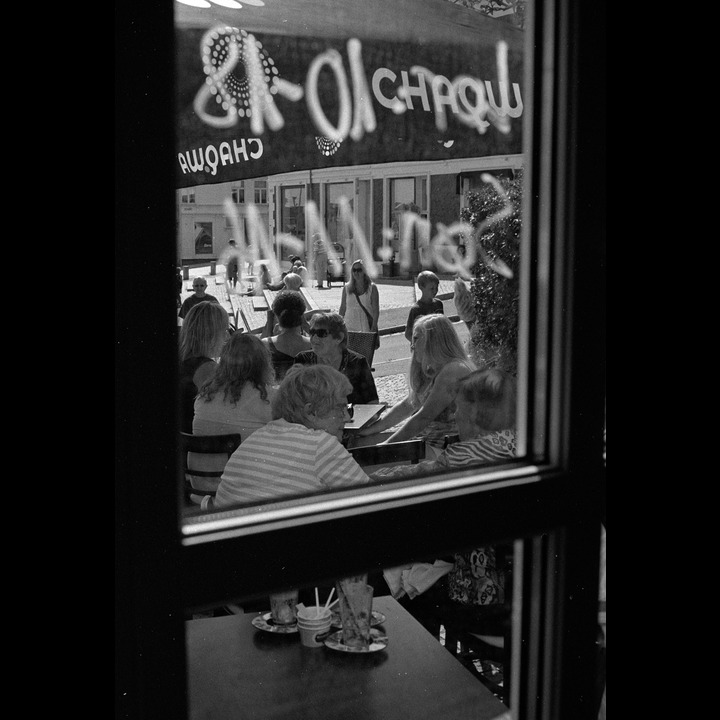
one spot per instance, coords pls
(237, 192)
(556, 506)
(260, 190)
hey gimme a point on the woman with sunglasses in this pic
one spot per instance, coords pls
(328, 337)
(360, 301)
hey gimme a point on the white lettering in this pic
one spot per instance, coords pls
(393, 103)
(407, 91)
(332, 59)
(446, 253)
(240, 150)
(440, 98)
(183, 164)
(194, 164)
(214, 83)
(262, 105)
(474, 117)
(225, 156)
(358, 236)
(364, 118)
(288, 90)
(258, 142)
(212, 164)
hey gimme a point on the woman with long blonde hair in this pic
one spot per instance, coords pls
(439, 361)
(360, 300)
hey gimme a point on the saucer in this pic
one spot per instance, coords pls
(265, 622)
(377, 619)
(378, 641)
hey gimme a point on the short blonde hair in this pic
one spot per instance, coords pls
(303, 385)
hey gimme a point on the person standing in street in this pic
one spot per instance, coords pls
(428, 283)
(360, 301)
(321, 261)
(232, 265)
(199, 294)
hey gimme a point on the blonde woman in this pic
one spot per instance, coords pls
(438, 363)
(299, 451)
(360, 301)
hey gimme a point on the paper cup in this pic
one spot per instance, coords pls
(283, 607)
(314, 628)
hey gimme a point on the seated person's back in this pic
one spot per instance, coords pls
(299, 451)
(289, 310)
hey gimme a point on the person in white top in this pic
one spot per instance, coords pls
(360, 301)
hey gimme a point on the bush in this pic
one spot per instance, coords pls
(493, 336)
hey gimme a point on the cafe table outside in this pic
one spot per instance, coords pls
(238, 672)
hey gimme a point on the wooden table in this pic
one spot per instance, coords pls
(237, 672)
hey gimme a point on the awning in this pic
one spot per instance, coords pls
(286, 86)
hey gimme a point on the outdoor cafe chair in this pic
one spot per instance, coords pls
(203, 483)
(482, 652)
(409, 451)
(363, 343)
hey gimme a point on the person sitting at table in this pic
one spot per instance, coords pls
(299, 451)
(438, 363)
(236, 399)
(289, 310)
(202, 336)
(486, 410)
(485, 417)
(328, 336)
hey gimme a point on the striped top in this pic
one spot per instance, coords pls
(490, 448)
(282, 459)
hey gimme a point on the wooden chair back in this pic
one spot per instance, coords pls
(411, 451)
(203, 481)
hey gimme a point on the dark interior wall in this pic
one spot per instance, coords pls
(444, 200)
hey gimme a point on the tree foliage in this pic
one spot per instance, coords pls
(513, 9)
(496, 295)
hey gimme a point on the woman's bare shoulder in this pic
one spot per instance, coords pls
(456, 369)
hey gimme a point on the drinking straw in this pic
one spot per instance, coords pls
(317, 603)
(327, 602)
(334, 602)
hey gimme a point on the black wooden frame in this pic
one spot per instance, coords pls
(556, 506)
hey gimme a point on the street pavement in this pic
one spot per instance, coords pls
(392, 359)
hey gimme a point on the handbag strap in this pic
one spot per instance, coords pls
(369, 316)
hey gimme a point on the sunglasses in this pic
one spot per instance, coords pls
(320, 332)
(357, 270)
(197, 287)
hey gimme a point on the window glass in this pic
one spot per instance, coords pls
(427, 134)
(261, 192)
(338, 227)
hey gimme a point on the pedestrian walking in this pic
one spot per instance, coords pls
(321, 261)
